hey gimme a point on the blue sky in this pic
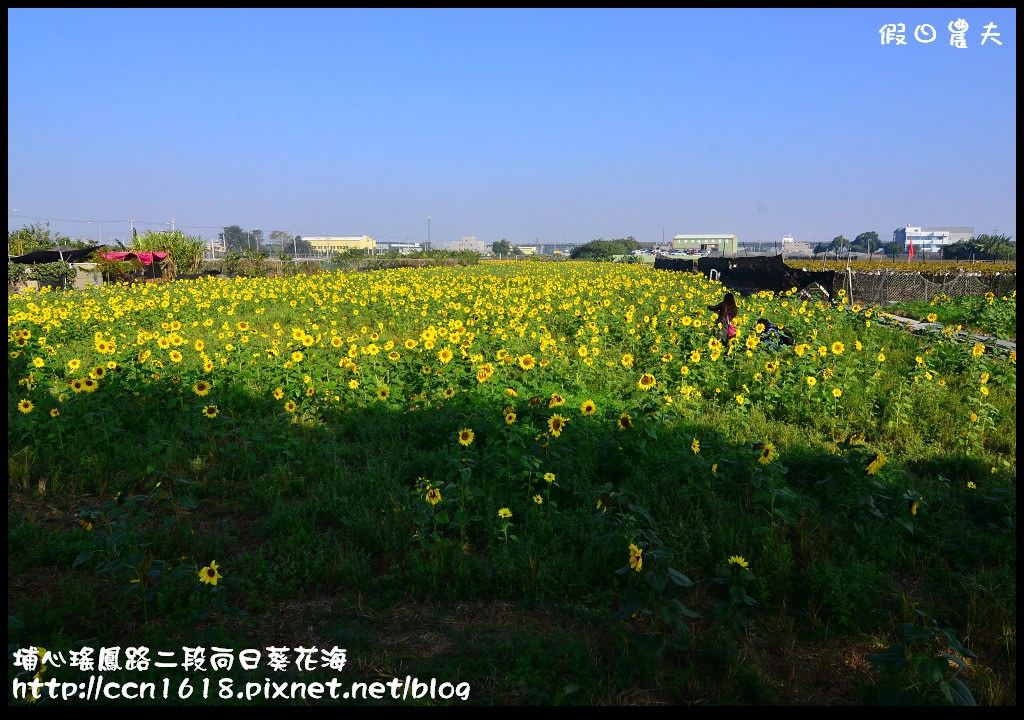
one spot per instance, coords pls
(526, 124)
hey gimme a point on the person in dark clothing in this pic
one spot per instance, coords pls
(727, 311)
(772, 335)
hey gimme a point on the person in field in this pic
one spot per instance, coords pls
(772, 336)
(727, 312)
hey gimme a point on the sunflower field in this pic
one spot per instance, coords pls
(551, 481)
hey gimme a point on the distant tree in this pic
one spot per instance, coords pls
(281, 241)
(34, 237)
(892, 248)
(235, 238)
(982, 247)
(865, 242)
(601, 249)
(255, 239)
(501, 247)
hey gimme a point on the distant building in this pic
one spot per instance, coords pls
(791, 247)
(527, 249)
(724, 244)
(930, 239)
(403, 248)
(217, 245)
(340, 244)
(469, 242)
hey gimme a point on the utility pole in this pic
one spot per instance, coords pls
(295, 247)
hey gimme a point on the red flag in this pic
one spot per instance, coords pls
(910, 252)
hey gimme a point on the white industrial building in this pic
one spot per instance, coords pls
(708, 242)
(930, 239)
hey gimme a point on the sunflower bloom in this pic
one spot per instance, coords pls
(766, 453)
(466, 436)
(210, 411)
(625, 422)
(210, 574)
(201, 388)
(646, 381)
(25, 406)
(636, 557)
(695, 446)
(737, 561)
(504, 513)
(876, 463)
(556, 424)
(433, 496)
(588, 407)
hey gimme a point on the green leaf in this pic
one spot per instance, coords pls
(671, 619)
(679, 579)
(642, 512)
(954, 658)
(947, 690)
(14, 623)
(83, 558)
(632, 602)
(961, 693)
(955, 644)
(927, 668)
(656, 580)
(652, 536)
(892, 658)
(441, 518)
(914, 634)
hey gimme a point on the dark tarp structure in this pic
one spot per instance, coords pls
(61, 253)
(753, 273)
(665, 263)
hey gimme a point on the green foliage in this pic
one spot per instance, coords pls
(317, 495)
(995, 316)
(501, 247)
(17, 273)
(34, 237)
(924, 666)
(982, 247)
(238, 240)
(117, 270)
(601, 249)
(631, 533)
(55, 272)
(185, 253)
(865, 242)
